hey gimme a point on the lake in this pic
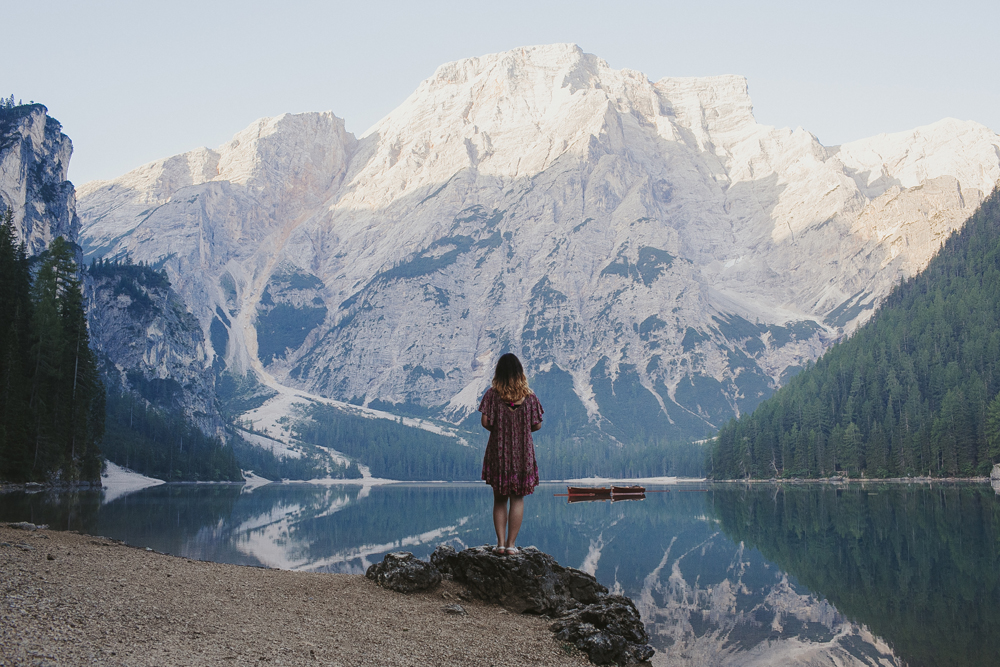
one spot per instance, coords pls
(724, 574)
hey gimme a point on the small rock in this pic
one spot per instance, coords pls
(148, 549)
(25, 547)
(23, 525)
(50, 557)
(401, 571)
(454, 609)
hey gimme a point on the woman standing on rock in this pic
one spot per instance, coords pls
(511, 412)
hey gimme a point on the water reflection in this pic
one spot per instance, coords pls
(919, 566)
(733, 576)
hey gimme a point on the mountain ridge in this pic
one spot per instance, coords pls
(599, 224)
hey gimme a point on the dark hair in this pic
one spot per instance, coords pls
(509, 380)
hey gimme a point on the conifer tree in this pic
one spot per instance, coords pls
(15, 314)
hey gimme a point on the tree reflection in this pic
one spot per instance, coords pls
(919, 566)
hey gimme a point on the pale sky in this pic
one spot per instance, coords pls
(135, 81)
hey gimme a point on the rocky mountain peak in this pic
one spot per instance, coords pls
(34, 161)
(660, 260)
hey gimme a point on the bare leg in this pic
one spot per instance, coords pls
(500, 517)
(514, 522)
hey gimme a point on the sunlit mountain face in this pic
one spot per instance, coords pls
(659, 260)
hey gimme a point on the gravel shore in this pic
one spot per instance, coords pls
(71, 599)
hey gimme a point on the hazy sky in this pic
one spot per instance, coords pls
(135, 81)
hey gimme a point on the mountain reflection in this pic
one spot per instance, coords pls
(803, 575)
(917, 565)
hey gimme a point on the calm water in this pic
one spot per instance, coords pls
(874, 575)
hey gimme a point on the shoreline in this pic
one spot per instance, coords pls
(80, 599)
(844, 481)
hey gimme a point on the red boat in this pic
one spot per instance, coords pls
(628, 490)
(588, 491)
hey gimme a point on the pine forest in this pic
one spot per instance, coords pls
(51, 396)
(914, 392)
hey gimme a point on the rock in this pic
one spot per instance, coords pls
(34, 162)
(530, 582)
(995, 474)
(610, 631)
(607, 628)
(401, 571)
(23, 525)
(454, 609)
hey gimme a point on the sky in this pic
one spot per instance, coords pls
(132, 82)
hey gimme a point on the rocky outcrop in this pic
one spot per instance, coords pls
(606, 627)
(34, 161)
(610, 632)
(401, 571)
(153, 345)
(531, 582)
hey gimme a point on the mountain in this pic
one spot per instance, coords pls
(914, 392)
(659, 260)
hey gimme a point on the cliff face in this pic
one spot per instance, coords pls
(34, 159)
(137, 323)
(150, 342)
(653, 254)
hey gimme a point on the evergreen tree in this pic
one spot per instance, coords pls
(15, 314)
(59, 408)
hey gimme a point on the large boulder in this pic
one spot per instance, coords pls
(610, 632)
(401, 571)
(530, 582)
(606, 627)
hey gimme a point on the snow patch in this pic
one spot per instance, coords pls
(118, 481)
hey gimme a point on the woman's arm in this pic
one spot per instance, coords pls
(485, 422)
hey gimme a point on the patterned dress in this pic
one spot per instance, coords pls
(509, 465)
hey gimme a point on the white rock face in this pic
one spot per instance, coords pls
(34, 160)
(657, 258)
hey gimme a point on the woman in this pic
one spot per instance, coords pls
(511, 412)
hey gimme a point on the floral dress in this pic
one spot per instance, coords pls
(509, 465)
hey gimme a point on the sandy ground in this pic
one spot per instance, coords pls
(70, 599)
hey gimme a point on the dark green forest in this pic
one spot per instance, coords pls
(914, 392)
(51, 397)
(162, 444)
(390, 449)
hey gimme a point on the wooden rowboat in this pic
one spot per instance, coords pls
(628, 490)
(588, 491)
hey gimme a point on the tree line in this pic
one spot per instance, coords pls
(51, 396)
(914, 392)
